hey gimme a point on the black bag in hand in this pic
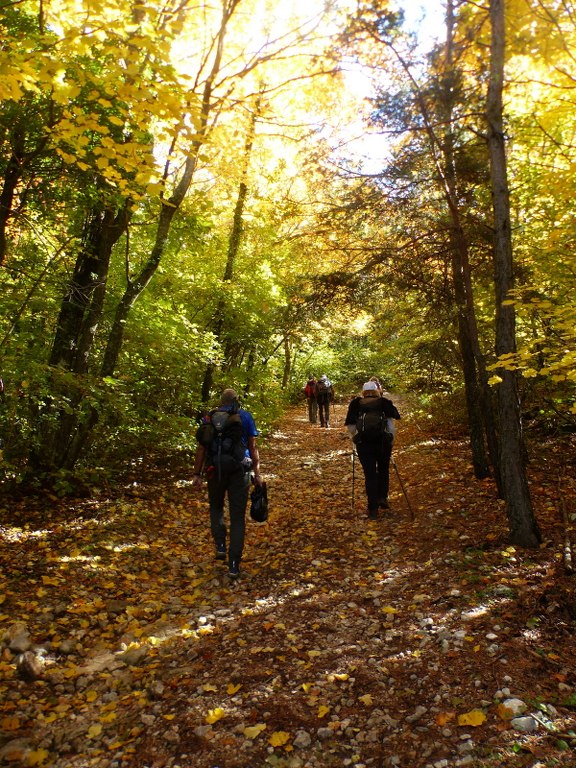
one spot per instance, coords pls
(259, 503)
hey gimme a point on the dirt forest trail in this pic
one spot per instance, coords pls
(347, 642)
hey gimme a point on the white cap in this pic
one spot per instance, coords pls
(369, 386)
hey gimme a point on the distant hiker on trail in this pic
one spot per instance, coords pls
(227, 453)
(367, 421)
(324, 396)
(310, 393)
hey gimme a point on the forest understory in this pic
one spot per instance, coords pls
(420, 639)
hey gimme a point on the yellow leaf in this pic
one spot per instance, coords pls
(279, 738)
(232, 689)
(37, 757)
(313, 654)
(91, 696)
(389, 609)
(366, 699)
(474, 718)
(10, 723)
(71, 672)
(209, 688)
(168, 717)
(214, 715)
(253, 731)
(323, 710)
(94, 730)
(50, 580)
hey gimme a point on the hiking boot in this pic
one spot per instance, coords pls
(220, 552)
(372, 514)
(383, 504)
(234, 570)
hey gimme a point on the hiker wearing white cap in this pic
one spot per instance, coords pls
(368, 423)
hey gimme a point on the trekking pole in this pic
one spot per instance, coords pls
(403, 489)
(334, 411)
(353, 464)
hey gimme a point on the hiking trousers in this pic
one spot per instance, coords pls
(235, 486)
(312, 410)
(375, 461)
(324, 411)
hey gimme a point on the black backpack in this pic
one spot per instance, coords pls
(323, 390)
(221, 436)
(372, 422)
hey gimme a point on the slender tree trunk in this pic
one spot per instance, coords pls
(468, 341)
(78, 320)
(287, 362)
(234, 241)
(81, 308)
(524, 530)
(11, 178)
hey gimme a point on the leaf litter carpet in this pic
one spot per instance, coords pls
(347, 642)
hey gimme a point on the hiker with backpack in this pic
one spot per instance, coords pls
(368, 420)
(310, 394)
(227, 454)
(324, 396)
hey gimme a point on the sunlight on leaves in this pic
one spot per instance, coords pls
(214, 715)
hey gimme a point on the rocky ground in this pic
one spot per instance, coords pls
(419, 640)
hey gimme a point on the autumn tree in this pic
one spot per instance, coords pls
(523, 527)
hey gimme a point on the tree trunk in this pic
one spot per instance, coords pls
(468, 341)
(12, 176)
(287, 362)
(524, 530)
(234, 241)
(58, 442)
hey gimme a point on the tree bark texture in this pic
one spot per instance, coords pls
(524, 530)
